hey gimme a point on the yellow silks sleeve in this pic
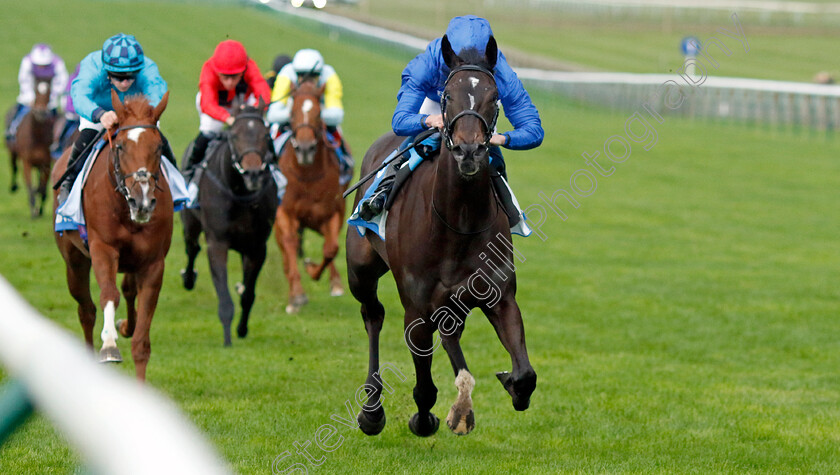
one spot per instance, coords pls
(332, 94)
(282, 86)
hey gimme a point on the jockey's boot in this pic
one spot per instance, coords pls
(376, 203)
(498, 176)
(74, 163)
(167, 150)
(199, 149)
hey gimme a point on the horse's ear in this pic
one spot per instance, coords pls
(262, 105)
(491, 52)
(117, 104)
(322, 89)
(449, 57)
(160, 107)
(292, 88)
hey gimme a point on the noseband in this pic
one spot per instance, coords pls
(448, 124)
(236, 158)
(139, 175)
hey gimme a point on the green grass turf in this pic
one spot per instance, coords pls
(639, 41)
(682, 319)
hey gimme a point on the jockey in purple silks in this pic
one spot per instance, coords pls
(418, 100)
(40, 63)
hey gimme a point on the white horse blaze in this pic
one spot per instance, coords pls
(134, 134)
(306, 107)
(109, 331)
(42, 88)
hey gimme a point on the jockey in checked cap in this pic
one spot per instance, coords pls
(418, 100)
(228, 73)
(308, 64)
(120, 66)
(40, 63)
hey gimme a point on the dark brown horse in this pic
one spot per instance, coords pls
(128, 209)
(237, 201)
(31, 146)
(313, 195)
(449, 248)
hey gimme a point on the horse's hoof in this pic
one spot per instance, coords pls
(460, 423)
(122, 328)
(520, 390)
(14, 188)
(240, 288)
(371, 422)
(189, 278)
(426, 429)
(110, 355)
(296, 303)
(336, 291)
(242, 331)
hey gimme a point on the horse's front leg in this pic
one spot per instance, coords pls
(461, 419)
(129, 291)
(364, 268)
(252, 263)
(44, 176)
(217, 254)
(148, 284)
(192, 231)
(419, 338)
(31, 191)
(78, 282)
(105, 261)
(521, 382)
(13, 158)
(330, 231)
(286, 234)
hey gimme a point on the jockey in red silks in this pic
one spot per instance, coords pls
(418, 100)
(228, 73)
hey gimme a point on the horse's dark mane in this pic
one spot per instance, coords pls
(474, 56)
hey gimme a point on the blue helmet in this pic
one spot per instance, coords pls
(468, 31)
(122, 54)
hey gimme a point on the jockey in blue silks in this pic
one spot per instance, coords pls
(418, 100)
(120, 66)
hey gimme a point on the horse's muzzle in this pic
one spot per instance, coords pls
(470, 158)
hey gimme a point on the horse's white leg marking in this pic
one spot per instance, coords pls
(109, 331)
(459, 415)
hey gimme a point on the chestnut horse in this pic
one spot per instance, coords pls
(313, 195)
(237, 201)
(449, 248)
(32, 143)
(128, 209)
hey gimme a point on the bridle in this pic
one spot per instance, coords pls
(140, 175)
(237, 157)
(448, 124)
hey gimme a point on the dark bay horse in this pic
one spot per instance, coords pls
(313, 195)
(449, 248)
(237, 201)
(31, 146)
(128, 211)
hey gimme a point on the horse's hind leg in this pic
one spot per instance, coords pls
(78, 282)
(364, 268)
(461, 419)
(192, 231)
(521, 382)
(418, 335)
(129, 291)
(217, 254)
(251, 265)
(44, 177)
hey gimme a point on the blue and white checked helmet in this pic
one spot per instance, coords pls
(122, 54)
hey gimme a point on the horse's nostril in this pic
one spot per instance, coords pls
(152, 203)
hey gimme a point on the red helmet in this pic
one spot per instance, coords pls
(230, 57)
